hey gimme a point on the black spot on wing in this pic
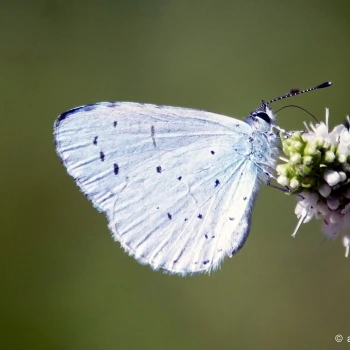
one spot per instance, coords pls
(152, 135)
(206, 262)
(115, 123)
(179, 178)
(206, 236)
(217, 183)
(116, 169)
(159, 169)
(200, 216)
(169, 216)
(102, 156)
(244, 198)
(107, 104)
(95, 140)
(112, 104)
(231, 218)
(212, 152)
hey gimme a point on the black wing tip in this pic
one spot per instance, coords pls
(85, 108)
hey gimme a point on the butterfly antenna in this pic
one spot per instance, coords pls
(295, 92)
(303, 109)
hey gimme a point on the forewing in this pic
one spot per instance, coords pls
(175, 184)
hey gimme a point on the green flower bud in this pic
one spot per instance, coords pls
(329, 157)
(307, 160)
(295, 158)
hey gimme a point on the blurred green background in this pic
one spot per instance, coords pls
(64, 283)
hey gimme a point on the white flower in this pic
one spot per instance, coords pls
(346, 243)
(317, 169)
(332, 224)
(325, 190)
(306, 208)
(331, 177)
(333, 203)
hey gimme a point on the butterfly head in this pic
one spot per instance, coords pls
(262, 118)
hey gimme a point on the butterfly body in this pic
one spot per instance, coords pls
(177, 185)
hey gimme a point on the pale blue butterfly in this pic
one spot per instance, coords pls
(177, 185)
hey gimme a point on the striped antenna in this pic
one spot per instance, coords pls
(295, 92)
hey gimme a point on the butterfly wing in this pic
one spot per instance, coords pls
(176, 184)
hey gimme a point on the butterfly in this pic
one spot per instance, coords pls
(177, 185)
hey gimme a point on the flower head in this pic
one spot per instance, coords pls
(318, 171)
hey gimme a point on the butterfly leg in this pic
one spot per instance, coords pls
(284, 189)
(267, 179)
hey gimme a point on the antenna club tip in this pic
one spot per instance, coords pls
(324, 85)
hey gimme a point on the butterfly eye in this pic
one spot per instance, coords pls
(264, 116)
